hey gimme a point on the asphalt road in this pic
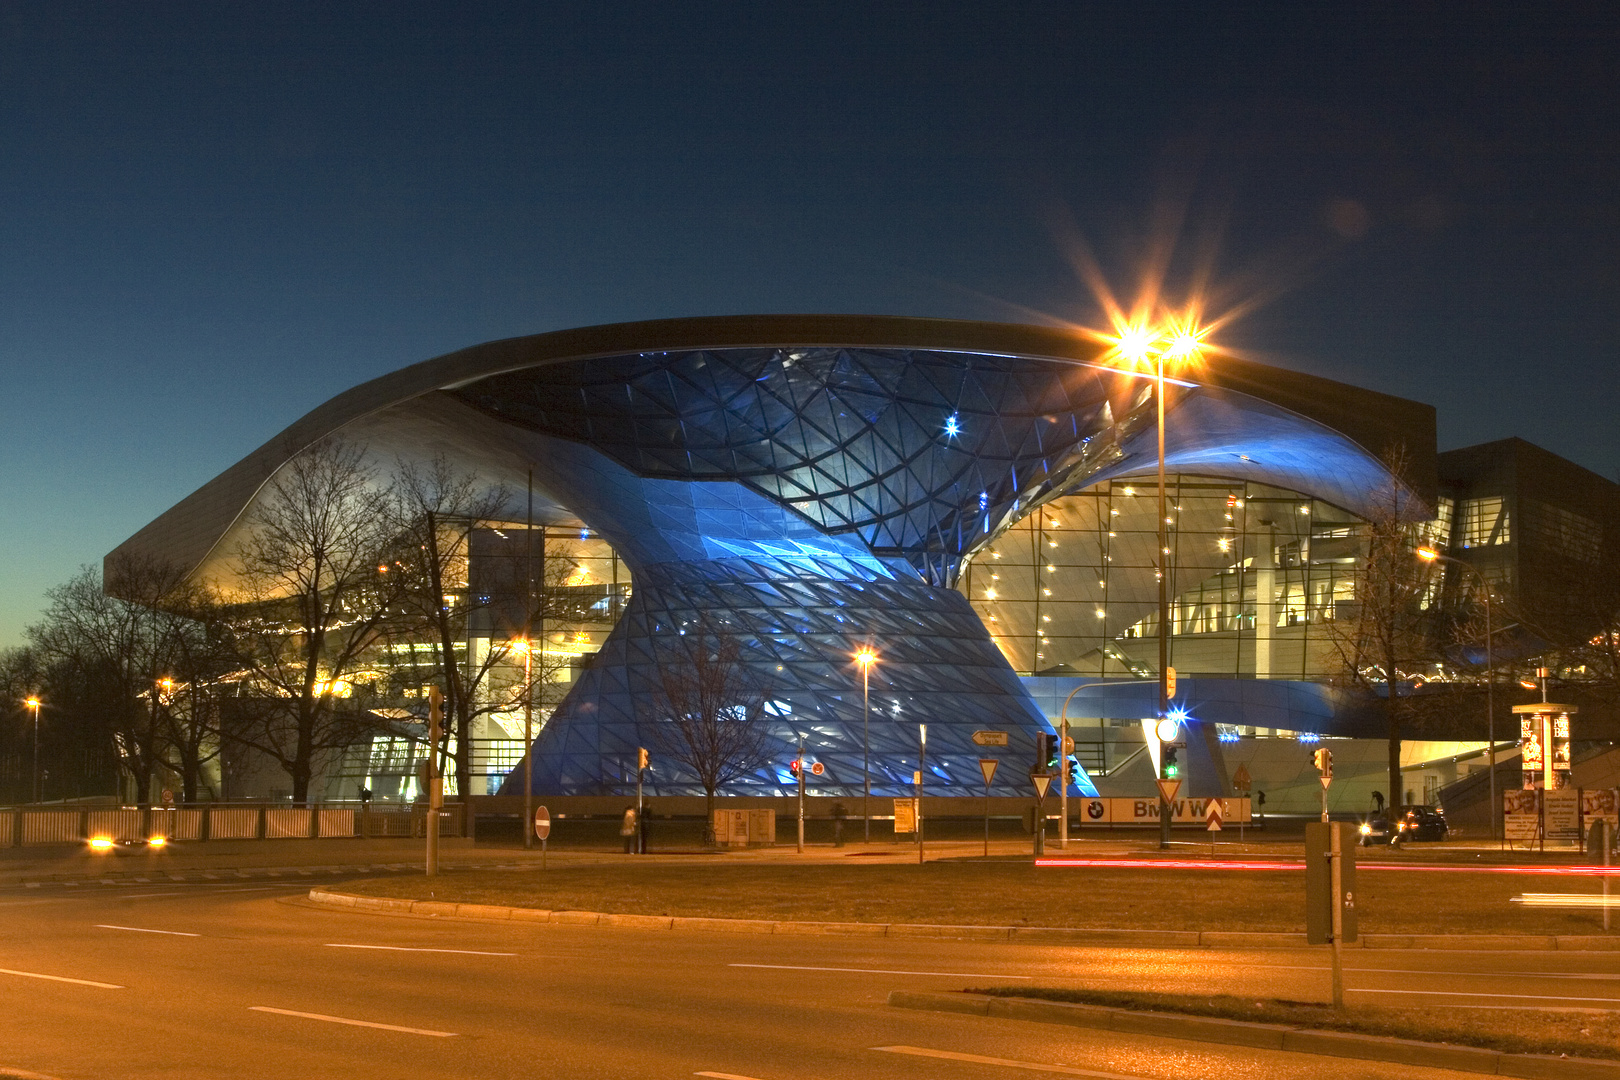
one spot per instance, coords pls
(244, 978)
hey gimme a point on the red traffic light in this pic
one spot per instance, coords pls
(793, 766)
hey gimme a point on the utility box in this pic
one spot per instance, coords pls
(745, 828)
(1319, 897)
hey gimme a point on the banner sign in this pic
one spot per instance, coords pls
(905, 815)
(1561, 812)
(1601, 804)
(1521, 814)
(1146, 811)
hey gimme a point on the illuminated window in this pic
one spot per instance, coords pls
(1485, 523)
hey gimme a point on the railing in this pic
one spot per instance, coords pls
(26, 827)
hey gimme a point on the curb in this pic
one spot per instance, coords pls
(1210, 1029)
(1041, 935)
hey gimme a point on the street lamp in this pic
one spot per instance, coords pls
(33, 703)
(865, 657)
(1177, 341)
(1430, 554)
(524, 646)
(1063, 758)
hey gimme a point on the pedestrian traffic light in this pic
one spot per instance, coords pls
(1324, 762)
(1172, 768)
(641, 757)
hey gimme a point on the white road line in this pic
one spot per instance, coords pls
(886, 971)
(61, 978)
(144, 930)
(1462, 993)
(352, 1023)
(1007, 1063)
(402, 948)
(726, 1076)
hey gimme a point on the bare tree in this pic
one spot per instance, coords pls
(434, 510)
(317, 601)
(125, 648)
(709, 712)
(1387, 635)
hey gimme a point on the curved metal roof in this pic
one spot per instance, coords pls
(1231, 417)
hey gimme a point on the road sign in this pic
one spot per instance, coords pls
(1042, 782)
(542, 823)
(990, 738)
(817, 768)
(1326, 780)
(168, 797)
(1169, 789)
(1212, 815)
(1170, 682)
(1241, 780)
(988, 767)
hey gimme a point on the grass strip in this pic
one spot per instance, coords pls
(1513, 1031)
(997, 894)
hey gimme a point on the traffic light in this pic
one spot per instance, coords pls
(1172, 768)
(1324, 762)
(794, 766)
(1043, 750)
(641, 757)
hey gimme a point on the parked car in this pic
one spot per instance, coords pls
(1410, 823)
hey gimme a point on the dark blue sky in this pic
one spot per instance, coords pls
(214, 217)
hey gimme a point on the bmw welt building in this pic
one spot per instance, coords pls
(973, 502)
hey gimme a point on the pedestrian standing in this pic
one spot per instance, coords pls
(627, 829)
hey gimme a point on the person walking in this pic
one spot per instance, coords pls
(627, 830)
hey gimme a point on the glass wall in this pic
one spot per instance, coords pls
(1256, 572)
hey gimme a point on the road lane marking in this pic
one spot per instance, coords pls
(61, 978)
(402, 948)
(726, 1076)
(144, 930)
(1463, 993)
(1006, 1063)
(885, 971)
(352, 1023)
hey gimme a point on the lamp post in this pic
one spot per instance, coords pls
(1063, 757)
(865, 657)
(1177, 341)
(1429, 554)
(526, 647)
(33, 704)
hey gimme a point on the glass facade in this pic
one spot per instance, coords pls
(1072, 589)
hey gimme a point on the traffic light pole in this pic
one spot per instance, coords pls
(800, 771)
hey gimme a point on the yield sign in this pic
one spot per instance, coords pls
(1212, 815)
(988, 767)
(1169, 789)
(1042, 782)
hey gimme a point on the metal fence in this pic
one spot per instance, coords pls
(25, 827)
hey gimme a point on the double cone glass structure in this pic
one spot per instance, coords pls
(808, 486)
